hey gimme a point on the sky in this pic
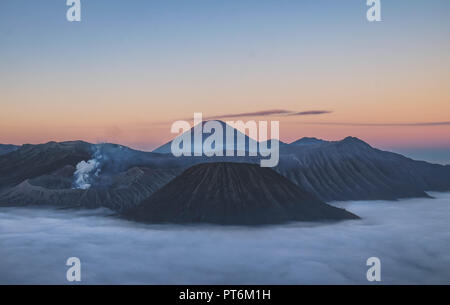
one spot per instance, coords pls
(129, 69)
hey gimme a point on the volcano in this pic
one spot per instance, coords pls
(248, 142)
(233, 194)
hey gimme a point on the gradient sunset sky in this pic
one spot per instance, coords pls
(131, 68)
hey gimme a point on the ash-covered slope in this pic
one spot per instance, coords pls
(353, 170)
(30, 161)
(125, 190)
(233, 193)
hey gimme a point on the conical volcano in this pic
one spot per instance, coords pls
(233, 194)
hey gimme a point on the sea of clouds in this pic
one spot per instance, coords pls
(411, 237)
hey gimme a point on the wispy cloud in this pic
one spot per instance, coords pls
(445, 123)
(280, 112)
(246, 114)
(311, 112)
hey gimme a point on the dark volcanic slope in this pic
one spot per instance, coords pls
(127, 189)
(233, 193)
(31, 161)
(353, 170)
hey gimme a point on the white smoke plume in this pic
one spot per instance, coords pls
(87, 171)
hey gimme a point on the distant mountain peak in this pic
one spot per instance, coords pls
(308, 141)
(354, 141)
(166, 148)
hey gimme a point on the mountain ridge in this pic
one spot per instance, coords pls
(308, 141)
(7, 148)
(344, 170)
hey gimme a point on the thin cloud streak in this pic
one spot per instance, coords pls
(312, 112)
(246, 114)
(379, 124)
(281, 112)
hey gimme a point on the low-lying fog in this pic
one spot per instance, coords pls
(411, 237)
